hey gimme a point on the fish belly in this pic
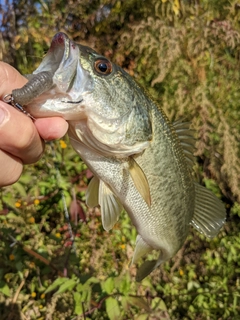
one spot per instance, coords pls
(164, 224)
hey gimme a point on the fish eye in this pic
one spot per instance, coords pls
(103, 66)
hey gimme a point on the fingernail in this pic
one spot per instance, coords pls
(3, 115)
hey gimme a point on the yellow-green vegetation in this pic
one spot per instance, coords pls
(186, 54)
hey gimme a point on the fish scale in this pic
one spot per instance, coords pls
(124, 188)
(172, 183)
(140, 161)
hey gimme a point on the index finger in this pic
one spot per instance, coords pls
(48, 128)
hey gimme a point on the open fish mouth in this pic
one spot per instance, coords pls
(61, 61)
(60, 83)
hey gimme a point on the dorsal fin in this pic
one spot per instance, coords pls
(187, 140)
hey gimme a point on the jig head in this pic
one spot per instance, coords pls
(8, 98)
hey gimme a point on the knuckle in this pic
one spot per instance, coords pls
(15, 175)
(27, 139)
(7, 73)
(35, 153)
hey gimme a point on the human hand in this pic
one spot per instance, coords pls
(21, 139)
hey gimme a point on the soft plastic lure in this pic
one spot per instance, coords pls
(37, 84)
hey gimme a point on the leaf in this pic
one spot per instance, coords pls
(158, 304)
(42, 184)
(19, 188)
(26, 178)
(87, 291)
(112, 308)
(56, 284)
(86, 296)
(140, 303)
(147, 283)
(142, 317)
(79, 287)
(192, 285)
(67, 286)
(124, 284)
(78, 303)
(13, 216)
(92, 280)
(108, 286)
(4, 288)
(124, 302)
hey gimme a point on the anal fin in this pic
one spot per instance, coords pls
(149, 265)
(145, 269)
(141, 249)
(210, 214)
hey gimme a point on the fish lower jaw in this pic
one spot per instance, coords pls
(51, 109)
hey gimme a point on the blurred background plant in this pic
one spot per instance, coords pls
(186, 54)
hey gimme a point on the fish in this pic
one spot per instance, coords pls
(141, 162)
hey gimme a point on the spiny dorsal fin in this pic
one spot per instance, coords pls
(187, 140)
(110, 206)
(92, 193)
(140, 180)
(210, 214)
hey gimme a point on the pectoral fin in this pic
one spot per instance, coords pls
(140, 180)
(210, 214)
(92, 193)
(110, 206)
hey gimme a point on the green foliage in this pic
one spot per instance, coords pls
(198, 80)
(42, 270)
(186, 53)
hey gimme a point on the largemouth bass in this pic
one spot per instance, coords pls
(140, 161)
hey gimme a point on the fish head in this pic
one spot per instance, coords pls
(70, 81)
(88, 87)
